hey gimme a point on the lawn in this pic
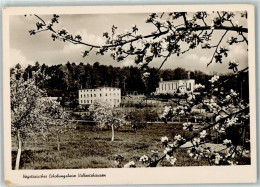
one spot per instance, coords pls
(86, 148)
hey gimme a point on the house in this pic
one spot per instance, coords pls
(110, 95)
(176, 86)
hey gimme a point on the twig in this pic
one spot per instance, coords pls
(154, 164)
(217, 47)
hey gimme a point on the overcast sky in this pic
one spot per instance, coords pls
(27, 49)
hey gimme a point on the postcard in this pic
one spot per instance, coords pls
(106, 95)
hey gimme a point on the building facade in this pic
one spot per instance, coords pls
(106, 94)
(175, 86)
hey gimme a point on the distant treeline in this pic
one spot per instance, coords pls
(66, 80)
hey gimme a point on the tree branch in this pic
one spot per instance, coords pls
(217, 48)
(154, 164)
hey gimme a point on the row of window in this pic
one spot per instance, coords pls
(95, 95)
(172, 87)
(91, 101)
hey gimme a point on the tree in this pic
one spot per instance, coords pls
(137, 120)
(105, 116)
(30, 108)
(167, 38)
(176, 33)
(59, 122)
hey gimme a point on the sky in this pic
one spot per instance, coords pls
(26, 49)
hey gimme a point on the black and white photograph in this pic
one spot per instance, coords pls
(160, 88)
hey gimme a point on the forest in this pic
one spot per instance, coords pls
(65, 80)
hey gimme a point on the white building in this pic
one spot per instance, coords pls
(175, 86)
(106, 94)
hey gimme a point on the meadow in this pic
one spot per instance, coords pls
(86, 148)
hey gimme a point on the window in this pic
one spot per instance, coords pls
(90, 101)
(162, 86)
(90, 95)
(94, 95)
(84, 96)
(84, 101)
(106, 94)
(87, 95)
(81, 96)
(100, 95)
(87, 101)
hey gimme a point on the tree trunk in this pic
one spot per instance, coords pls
(98, 133)
(19, 151)
(58, 142)
(113, 133)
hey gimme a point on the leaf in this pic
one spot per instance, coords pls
(218, 58)
(32, 32)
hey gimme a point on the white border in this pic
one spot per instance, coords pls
(177, 175)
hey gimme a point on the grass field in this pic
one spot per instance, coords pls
(85, 148)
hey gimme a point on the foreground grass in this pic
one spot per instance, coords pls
(85, 148)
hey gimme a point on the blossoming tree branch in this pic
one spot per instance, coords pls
(32, 111)
(175, 34)
(167, 38)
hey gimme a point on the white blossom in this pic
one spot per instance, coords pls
(217, 158)
(167, 150)
(146, 74)
(214, 79)
(144, 159)
(227, 142)
(130, 164)
(196, 141)
(203, 134)
(164, 139)
(198, 86)
(231, 122)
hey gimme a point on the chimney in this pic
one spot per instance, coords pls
(188, 74)
(161, 79)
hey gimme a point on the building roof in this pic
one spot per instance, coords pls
(101, 87)
(177, 80)
(105, 87)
